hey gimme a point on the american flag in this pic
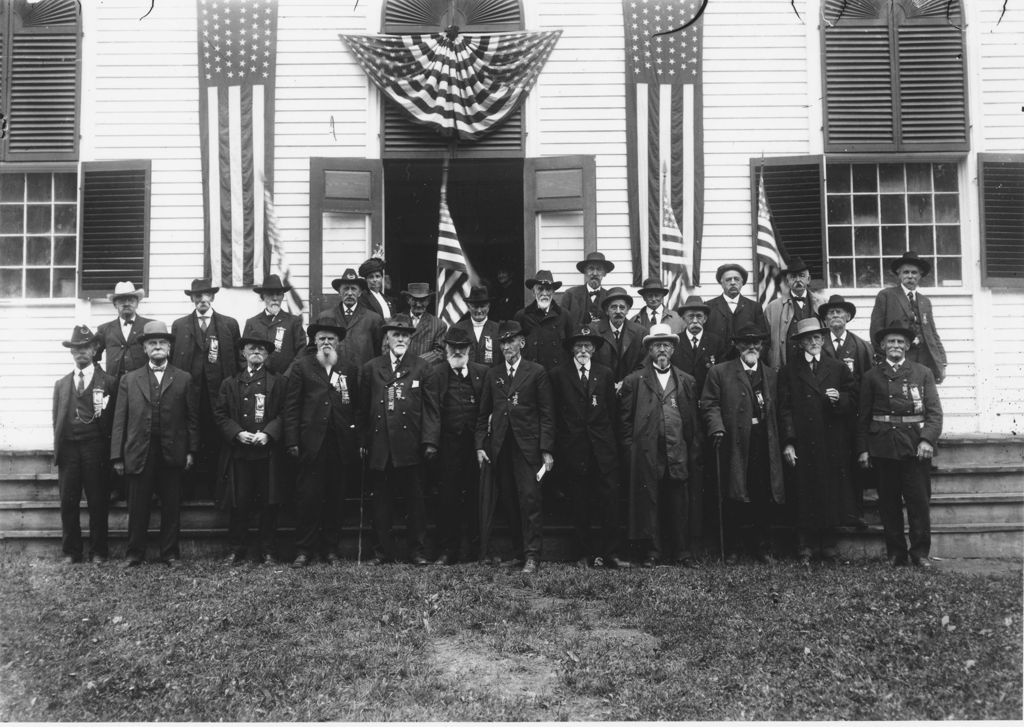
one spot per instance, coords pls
(461, 86)
(664, 110)
(237, 40)
(454, 274)
(769, 258)
(278, 260)
(674, 255)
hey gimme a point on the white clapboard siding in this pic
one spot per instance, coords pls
(560, 245)
(1000, 76)
(346, 245)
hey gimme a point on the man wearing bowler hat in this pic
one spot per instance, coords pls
(205, 345)
(281, 328)
(583, 302)
(427, 340)
(730, 311)
(372, 271)
(623, 351)
(362, 340)
(785, 312)
(153, 442)
(82, 413)
(653, 291)
(483, 331)
(904, 306)
(544, 323)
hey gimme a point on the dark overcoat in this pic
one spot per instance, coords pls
(723, 323)
(188, 341)
(398, 434)
(631, 346)
(893, 309)
(581, 310)
(545, 334)
(523, 408)
(64, 392)
(670, 318)
(313, 406)
(370, 301)
(284, 330)
(587, 419)
(856, 354)
(908, 392)
(435, 427)
(484, 350)
(711, 350)
(121, 356)
(362, 338)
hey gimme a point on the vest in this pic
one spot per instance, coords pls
(250, 391)
(670, 432)
(154, 400)
(81, 424)
(460, 404)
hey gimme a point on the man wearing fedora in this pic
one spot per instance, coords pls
(731, 311)
(281, 328)
(205, 345)
(544, 323)
(815, 402)
(583, 302)
(904, 306)
(451, 400)
(586, 414)
(515, 432)
(623, 351)
(372, 271)
(785, 312)
(653, 291)
(698, 350)
(320, 432)
(899, 424)
(391, 406)
(82, 413)
(362, 341)
(427, 340)
(154, 438)
(483, 332)
(250, 413)
(740, 409)
(661, 432)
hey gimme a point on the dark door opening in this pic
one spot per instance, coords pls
(485, 198)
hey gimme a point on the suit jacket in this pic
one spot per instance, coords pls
(892, 308)
(285, 331)
(710, 351)
(435, 425)
(314, 406)
(64, 395)
(633, 353)
(779, 314)
(522, 408)
(363, 337)
(133, 419)
(724, 323)
(576, 302)
(485, 350)
(189, 352)
(587, 418)
(855, 353)
(392, 434)
(669, 317)
(427, 341)
(371, 302)
(911, 391)
(121, 356)
(545, 334)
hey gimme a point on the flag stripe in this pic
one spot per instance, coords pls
(642, 174)
(687, 157)
(213, 186)
(767, 248)
(261, 243)
(653, 178)
(237, 225)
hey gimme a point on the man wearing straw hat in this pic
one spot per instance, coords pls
(483, 331)
(583, 302)
(281, 328)
(427, 340)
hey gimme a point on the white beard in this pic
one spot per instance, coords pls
(328, 357)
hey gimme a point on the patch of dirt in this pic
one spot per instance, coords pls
(476, 667)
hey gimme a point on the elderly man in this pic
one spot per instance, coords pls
(815, 402)
(654, 311)
(544, 323)
(900, 420)
(583, 302)
(785, 312)
(904, 306)
(740, 408)
(319, 430)
(250, 413)
(362, 341)
(624, 352)
(82, 413)
(451, 402)
(731, 311)
(391, 405)
(372, 270)
(483, 332)
(586, 413)
(427, 340)
(280, 327)
(661, 432)
(517, 415)
(698, 350)
(153, 441)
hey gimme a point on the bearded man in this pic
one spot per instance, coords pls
(283, 329)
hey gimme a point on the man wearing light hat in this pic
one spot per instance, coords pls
(372, 270)
(483, 331)
(623, 351)
(785, 312)
(583, 302)
(544, 322)
(82, 413)
(654, 311)
(731, 311)
(363, 338)
(280, 327)
(427, 340)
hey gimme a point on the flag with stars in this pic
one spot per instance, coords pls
(664, 129)
(237, 44)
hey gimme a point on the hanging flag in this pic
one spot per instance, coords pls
(769, 254)
(460, 85)
(664, 111)
(454, 274)
(674, 254)
(278, 261)
(237, 44)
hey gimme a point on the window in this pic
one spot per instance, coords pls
(1001, 185)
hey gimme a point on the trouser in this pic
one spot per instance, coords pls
(386, 484)
(749, 523)
(672, 521)
(318, 509)
(81, 467)
(591, 491)
(520, 496)
(201, 483)
(165, 481)
(907, 482)
(252, 497)
(460, 486)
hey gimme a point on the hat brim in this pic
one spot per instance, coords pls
(762, 337)
(269, 345)
(479, 301)
(644, 291)
(555, 284)
(846, 306)
(882, 333)
(924, 265)
(338, 282)
(608, 265)
(401, 328)
(315, 328)
(671, 338)
(261, 290)
(150, 336)
(407, 294)
(796, 336)
(138, 294)
(612, 298)
(596, 340)
(200, 291)
(702, 308)
(78, 344)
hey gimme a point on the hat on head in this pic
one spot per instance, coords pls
(401, 323)
(617, 294)
(795, 265)
(911, 258)
(750, 332)
(653, 285)
(660, 332)
(584, 333)
(81, 336)
(883, 332)
(126, 288)
(372, 265)
(327, 323)
(271, 284)
(202, 285)
(418, 290)
(595, 258)
(694, 302)
(509, 329)
(543, 276)
(156, 329)
(479, 294)
(807, 326)
(256, 341)
(723, 269)
(349, 277)
(837, 301)
(457, 337)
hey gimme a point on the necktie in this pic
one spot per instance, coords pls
(662, 371)
(511, 372)
(814, 365)
(80, 386)
(348, 313)
(203, 323)
(910, 296)
(695, 343)
(398, 362)
(127, 321)
(618, 333)
(583, 375)
(838, 343)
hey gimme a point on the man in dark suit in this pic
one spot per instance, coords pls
(427, 340)
(372, 271)
(451, 400)
(583, 302)
(82, 413)
(698, 350)
(391, 396)
(731, 311)
(904, 306)
(623, 351)
(483, 332)
(281, 328)
(206, 346)
(517, 413)
(586, 414)
(363, 326)
(544, 322)
(654, 311)
(319, 430)
(153, 442)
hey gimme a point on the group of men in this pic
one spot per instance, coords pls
(703, 419)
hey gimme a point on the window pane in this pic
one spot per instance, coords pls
(65, 187)
(947, 208)
(839, 210)
(949, 271)
(919, 208)
(840, 273)
(865, 241)
(838, 177)
(946, 178)
(10, 283)
(64, 218)
(919, 177)
(921, 240)
(12, 219)
(947, 240)
(64, 249)
(37, 283)
(37, 251)
(840, 241)
(888, 275)
(894, 209)
(63, 282)
(867, 273)
(39, 187)
(12, 251)
(37, 218)
(890, 178)
(12, 189)
(865, 178)
(894, 240)
(865, 210)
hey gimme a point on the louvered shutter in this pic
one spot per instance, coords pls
(471, 16)
(932, 88)
(793, 186)
(859, 97)
(115, 225)
(1001, 182)
(408, 140)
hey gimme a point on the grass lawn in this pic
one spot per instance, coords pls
(858, 641)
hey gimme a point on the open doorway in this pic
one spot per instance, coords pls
(485, 198)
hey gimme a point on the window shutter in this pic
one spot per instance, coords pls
(562, 184)
(115, 225)
(471, 16)
(793, 187)
(1001, 181)
(858, 89)
(932, 88)
(405, 139)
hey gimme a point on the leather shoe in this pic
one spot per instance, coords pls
(897, 561)
(173, 562)
(443, 559)
(615, 562)
(420, 560)
(301, 561)
(649, 562)
(921, 562)
(530, 566)
(267, 559)
(70, 559)
(379, 561)
(132, 563)
(97, 558)
(235, 558)
(333, 559)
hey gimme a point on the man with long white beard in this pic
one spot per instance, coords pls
(281, 328)
(319, 430)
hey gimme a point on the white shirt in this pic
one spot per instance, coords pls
(86, 379)
(208, 316)
(478, 329)
(663, 377)
(748, 368)
(383, 302)
(394, 360)
(656, 314)
(690, 337)
(838, 342)
(617, 331)
(126, 327)
(895, 364)
(511, 367)
(158, 374)
(809, 357)
(733, 302)
(907, 290)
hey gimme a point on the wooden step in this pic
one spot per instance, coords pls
(980, 449)
(978, 479)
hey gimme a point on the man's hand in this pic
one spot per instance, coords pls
(864, 460)
(190, 459)
(260, 439)
(549, 461)
(716, 439)
(363, 452)
(244, 437)
(941, 376)
(293, 450)
(119, 468)
(789, 454)
(832, 394)
(482, 458)
(925, 451)
(429, 451)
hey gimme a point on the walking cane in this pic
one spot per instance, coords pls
(718, 478)
(362, 485)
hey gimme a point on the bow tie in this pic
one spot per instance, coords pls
(158, 369)
(253, 372)
(664, 370)
(127, 321)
